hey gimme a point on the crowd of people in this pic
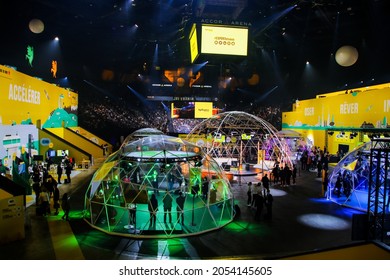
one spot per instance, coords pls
(47, 193)
(259, 197)
(272, 114)
(112, 119)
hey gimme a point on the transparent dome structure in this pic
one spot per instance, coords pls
(119, 200)
(140, 133)
(349, 180)
(295, 141)
(241, 138)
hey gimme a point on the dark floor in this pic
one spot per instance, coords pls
(303, 223)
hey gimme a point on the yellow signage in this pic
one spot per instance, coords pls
(193, 44)
(351, 109)
(203, 110)
(224, 40)
(25, 100)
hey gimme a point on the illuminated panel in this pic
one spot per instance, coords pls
(246, 136)
(193, 44)
(193, 110)
(224, 40)
(203, 110)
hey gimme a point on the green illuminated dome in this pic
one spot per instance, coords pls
(117, 200)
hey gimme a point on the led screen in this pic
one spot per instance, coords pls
(193, 110)
(224, 40)
(51, 153)
(193, 43)
(246, 136)
(62, 153)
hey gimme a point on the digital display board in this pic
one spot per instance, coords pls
(62, 153)
(194, 52)
(193, 110)
(224, 40)
(246, 136)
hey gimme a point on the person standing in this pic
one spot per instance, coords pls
(155, 182)
(180, 208)
(294, 174)
(36, 177)
(49, 162)
(153, 208)
(287, 175)
(132, 214)
(319, 168)
(325, 182)
(249, 194)
(65, 205)
(49, 183)
(44, 202)
(257, 190)
(268, 204)
(56, 199)
(59, 172)
(276, 174)
(259, 206)
(205, 188)
(68, 171)
(265, 181)
(167, 204)
(171, 180)
(338, 185)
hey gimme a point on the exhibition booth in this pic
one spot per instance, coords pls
(191, 191)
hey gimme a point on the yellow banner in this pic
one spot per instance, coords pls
(25, 100)
(203, 110)
(348, 109)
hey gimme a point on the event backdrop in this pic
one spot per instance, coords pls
(345, 109)
(27, 100)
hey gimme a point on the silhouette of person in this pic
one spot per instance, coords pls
(294, 174)
(56, 199)
(167, 203)
(132, 213)
(68, 171)
(265, 181)
(59, 173)
(153, 208)
(180, 208)
(259, 206)
(65, 205)
(205, 188)
(249, 194)
(268, 204)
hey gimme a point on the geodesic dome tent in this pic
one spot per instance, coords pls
(117, 200)
(140, 133)
(239, 137)
(296, 142)
(349, 180)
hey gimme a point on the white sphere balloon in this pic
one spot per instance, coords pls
(36, 26)
(346, 56)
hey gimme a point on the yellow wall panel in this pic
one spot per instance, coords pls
(26, 99)
(339, 110)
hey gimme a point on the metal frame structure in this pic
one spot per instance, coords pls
(242, 136)
(118, 198)
(378, 189)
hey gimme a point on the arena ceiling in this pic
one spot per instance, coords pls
(118, 38)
